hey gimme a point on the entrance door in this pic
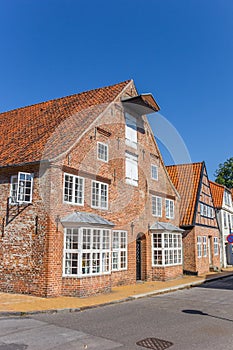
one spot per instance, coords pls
(138, 260)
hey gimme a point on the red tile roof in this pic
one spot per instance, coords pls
(24, 132)
(186, 178)
(217, 191)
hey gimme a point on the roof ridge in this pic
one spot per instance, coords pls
(63, 97)
(184, 164)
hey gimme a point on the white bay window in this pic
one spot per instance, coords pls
(166, 249)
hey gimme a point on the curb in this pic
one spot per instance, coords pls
(130, 298)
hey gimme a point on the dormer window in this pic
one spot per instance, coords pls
(21, 188)
(227, 198)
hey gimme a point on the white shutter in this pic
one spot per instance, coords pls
(131, 169)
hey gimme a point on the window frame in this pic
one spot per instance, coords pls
(96, 249)
(169, 248)
(13, 183)
(131, 138)
(168, 208)
(204, 243)
(216, 246)
(73, 189)
(99, 200)
(153, 166)
(155, 211)
(199, 246)
(119, 250)
(27, 188)
(105, 153)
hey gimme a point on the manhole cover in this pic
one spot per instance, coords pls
(154, 343)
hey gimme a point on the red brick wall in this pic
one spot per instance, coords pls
(32, 263)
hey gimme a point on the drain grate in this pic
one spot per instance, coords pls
(154, 343)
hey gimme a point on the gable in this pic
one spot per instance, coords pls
(24, 132)
(205, 210)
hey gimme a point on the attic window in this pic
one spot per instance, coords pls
(21, 188)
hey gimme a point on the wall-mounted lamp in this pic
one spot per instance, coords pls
(57, 220)
(36, 225)
(132, 226)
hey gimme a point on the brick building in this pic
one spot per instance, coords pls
(201, 240)
(222, 197)
(85, 202)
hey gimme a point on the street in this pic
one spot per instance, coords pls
(197, 318)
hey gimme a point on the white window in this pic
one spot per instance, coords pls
(199, 252)
(232, 221)
(13, 189)
(224, 219)
(21, 188)
(215, 245)
(204, 240)
(166, 249)
(156, 206)
(229, 221)
(154, 172)
(119, 250)
(86, 252)
(102, 151)
(201, 209)
(227, 198)
(99, 195)
(73, 189)
(169, 209)
(131, 169)
(130, 130)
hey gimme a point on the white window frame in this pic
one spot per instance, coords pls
(227, 198)
(215, 246)
(154, 172)
(13, 189)
(170, 208)
(119, 250)
(166, 249)
(98, 248)
(97, 195)
(157, 206)
(102, 154)
(24, 188)
(225, 219)
(199, 247)
(131, 169)
(204, 241)
(81, 182)
(130, 130)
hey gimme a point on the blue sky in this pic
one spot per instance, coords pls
(181, 51)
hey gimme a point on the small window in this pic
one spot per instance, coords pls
(157, 206)
(154, 172)
(169, 209)
(199, 251)
(215, 245)
(102, 151)
(21, 188)
(99, 195)
(73, 189)
(204, 240)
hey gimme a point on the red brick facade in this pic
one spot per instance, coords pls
(32, 235)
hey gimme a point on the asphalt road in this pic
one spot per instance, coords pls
(197, 318)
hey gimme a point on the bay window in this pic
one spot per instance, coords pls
(166, 249)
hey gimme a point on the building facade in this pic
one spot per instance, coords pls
(222, 197)
(201, 237)
(86, 202)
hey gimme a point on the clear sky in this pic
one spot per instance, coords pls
(179, 50)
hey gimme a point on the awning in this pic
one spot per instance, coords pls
(141, 104)
(78, 218)
(165, 226)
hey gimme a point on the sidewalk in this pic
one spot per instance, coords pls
(18, 305)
